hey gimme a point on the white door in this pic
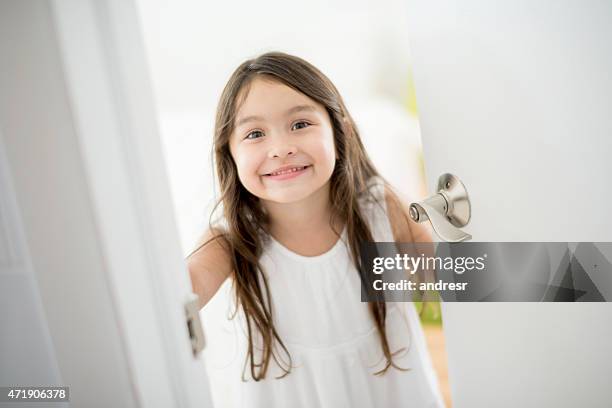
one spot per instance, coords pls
(515, 98)
(92, 280)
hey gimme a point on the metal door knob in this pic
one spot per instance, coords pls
(447, 210)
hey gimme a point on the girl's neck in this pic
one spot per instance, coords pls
(308, 217)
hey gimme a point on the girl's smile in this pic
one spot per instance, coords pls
(287, 172)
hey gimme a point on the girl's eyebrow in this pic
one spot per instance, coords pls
(298, 108)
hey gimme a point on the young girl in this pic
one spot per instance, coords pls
(284, 322)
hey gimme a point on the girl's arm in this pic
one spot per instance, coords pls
(209, 266)
(404, 229)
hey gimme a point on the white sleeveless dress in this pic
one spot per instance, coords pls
(329, 332)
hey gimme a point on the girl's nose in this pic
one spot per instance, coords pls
(282, 151)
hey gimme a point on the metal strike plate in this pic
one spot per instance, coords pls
(194, 325)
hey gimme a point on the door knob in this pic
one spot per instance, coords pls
(447, 210)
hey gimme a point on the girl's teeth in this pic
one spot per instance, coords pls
(287, 171)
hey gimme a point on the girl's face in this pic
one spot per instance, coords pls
(279, 128)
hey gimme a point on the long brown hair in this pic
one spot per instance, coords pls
(246, 221)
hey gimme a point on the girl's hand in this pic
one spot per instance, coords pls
(404, 228)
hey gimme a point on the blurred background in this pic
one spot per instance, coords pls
(361, 46)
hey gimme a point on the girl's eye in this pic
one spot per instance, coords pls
(255, 134)
(300, 125)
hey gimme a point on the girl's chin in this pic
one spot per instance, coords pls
(288, 195)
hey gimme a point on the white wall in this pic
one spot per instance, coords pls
(194, 45)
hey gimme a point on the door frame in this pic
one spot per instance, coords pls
(89, 57)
